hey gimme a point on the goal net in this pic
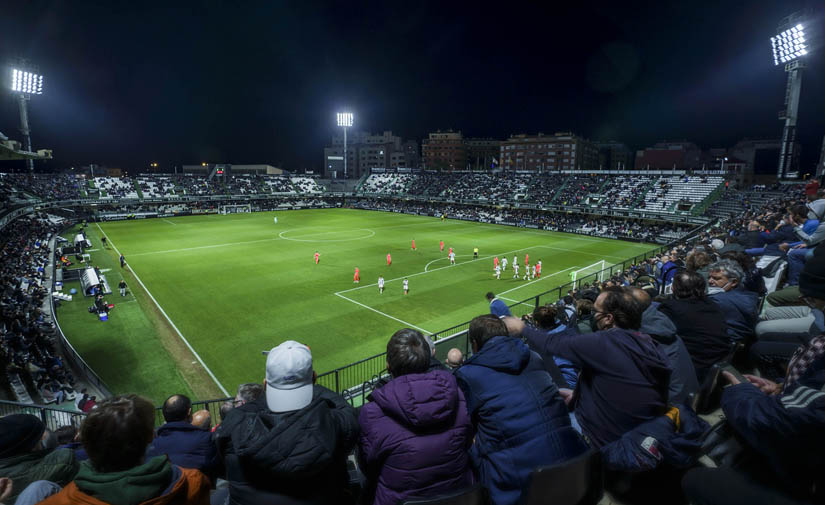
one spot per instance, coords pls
(235, 209)
(595, 272)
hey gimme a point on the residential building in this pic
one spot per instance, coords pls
(444, 151)
(366, 151)
(614, 155)
(546, 153)
(681, 155)
(761, 157)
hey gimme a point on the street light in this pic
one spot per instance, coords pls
(789, 47)
(25, 84)
(345, 121)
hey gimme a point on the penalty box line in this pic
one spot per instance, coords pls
(195, 353)
(422, 330)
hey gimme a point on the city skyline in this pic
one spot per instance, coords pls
(179, 83)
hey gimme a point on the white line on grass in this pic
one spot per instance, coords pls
(534, 281)
(223, 390)
(170, 222)
(384, 314)
(515, 301)
(204, 247)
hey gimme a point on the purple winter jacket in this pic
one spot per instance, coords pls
(414, 439)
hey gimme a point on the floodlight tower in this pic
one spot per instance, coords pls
(25, 84)
(788, 48)
(345, 121)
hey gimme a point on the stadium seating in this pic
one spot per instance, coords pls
(306, 185)
(668, 191)
(115, 187)
(156, 187)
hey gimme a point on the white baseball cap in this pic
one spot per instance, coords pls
(288, 377)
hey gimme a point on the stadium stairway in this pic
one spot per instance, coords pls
(561, 188)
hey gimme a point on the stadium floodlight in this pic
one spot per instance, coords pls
(789, 45)
(345, 121)
(789, 48)
(26, 82)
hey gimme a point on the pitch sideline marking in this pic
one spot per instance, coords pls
(535, 280)
(170, 222)
(384, 314)
(197, 356)
(281, 235)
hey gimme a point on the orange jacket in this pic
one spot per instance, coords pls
(192, 488)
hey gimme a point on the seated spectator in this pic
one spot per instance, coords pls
(584, 315)
(497, 307)
(698, 261)
(23, 459)
(783, 424)
(186, 445)
(291, 444)
(435, 364)
(624, 375)
(801, 252)
(683, 382)
(753, 280)
(563, 372)
(519, 417)
(455, 358)
(68, 437)
(699, 322)
(415, 432)
(202, 419)
(116, 436)
(248, 392)
(740, 306)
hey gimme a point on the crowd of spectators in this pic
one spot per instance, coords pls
(578, 188)
(27, 350)
(46, 186)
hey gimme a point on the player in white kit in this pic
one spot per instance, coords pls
(533, 272)
(406, 286)
(452, 258)
(381, 284)
(498, 271)
(515, 270)
(503, 264)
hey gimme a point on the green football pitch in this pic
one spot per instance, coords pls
(235, 285)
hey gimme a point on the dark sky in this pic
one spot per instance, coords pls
(127, 83)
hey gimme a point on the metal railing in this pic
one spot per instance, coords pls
(52, 417)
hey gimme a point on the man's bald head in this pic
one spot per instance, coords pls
(202, 419)
(641, 296)
(454, 358)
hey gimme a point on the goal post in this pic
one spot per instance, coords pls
(235, 208)
(596, 271)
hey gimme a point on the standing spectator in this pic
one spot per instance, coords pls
(497, 307)
(122, 286)
(699, 321)
(415, 432)
(726, 290)
(624, 375)
(115, 436)
(122, 261)
(22, 458)
(186, 445)
(291, 444)
(519, 417)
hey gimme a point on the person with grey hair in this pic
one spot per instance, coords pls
(435, 364)
(739, 305)
(248, 392)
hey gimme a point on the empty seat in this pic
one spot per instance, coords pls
(579, 481)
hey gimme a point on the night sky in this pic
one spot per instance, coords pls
(128, 83)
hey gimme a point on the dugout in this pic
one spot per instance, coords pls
(80, 241)
(89, 280)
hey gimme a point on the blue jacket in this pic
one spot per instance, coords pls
(786, 428)
(499, 308)
(520, 420)
(187, 446)
(624, 378)
(643, 448)
(740, 307)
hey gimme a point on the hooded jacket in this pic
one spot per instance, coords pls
(297, 457)
(624, 378)
(683, 382)
(519, 418)
(187, 446)
(415, 437)
(740, 307)
(156, 482)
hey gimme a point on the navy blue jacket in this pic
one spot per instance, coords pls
(499, 308)
(740, 308)
(624, 378)
(187, 446)
(643, 448)
(787, 428)
(519, 418)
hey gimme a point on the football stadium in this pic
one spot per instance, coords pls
(423, 319)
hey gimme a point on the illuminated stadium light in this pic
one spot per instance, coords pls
(26, 82)
(789, 45)
(345, 119)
